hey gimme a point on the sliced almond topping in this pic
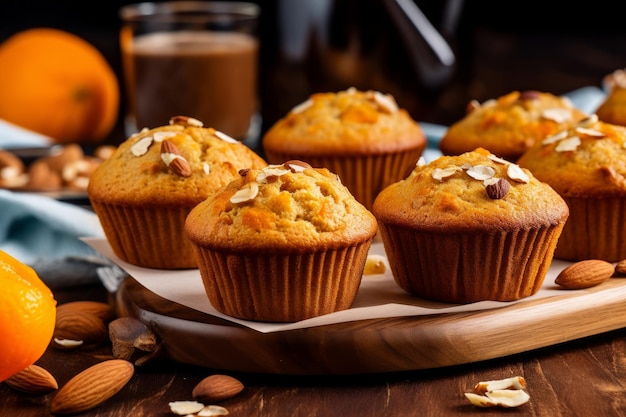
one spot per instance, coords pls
(223, 136)
(161, 135)
(206, 168)
(569, 144)
(517, 174)
(247, 193)
(172, 158)
(481, 172)
(271, 171)
(442, 173)
(497, 159)
(141, 146)
(590, 132)
(302, 106)
(385, 101)
(471, 106)
(588, 121)
(555, 138)
(557, 115)
(421, 161)
(296, 166)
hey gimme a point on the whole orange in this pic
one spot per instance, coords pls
(57, 84)
(27, 316)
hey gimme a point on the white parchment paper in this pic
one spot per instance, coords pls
(378, 296)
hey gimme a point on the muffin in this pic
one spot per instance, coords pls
(509, 125)
(281, 244)
(361, 136)
(144, 191)
(613, 108)
(470, 227)
(586, 165)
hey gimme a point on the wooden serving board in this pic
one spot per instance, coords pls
(377, 345)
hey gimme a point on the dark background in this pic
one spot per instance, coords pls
(500, 46)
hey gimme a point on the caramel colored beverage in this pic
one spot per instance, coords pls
(211, 76)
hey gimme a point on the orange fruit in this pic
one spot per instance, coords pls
(57, 84)
(27, 316)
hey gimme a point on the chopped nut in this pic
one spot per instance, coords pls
(620, 267)
(498, 189)
(129, 335)
(375, 264)
(186, 121)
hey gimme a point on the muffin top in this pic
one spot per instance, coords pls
(290, 207)
(588, 160)
(509, 125)
(349, 122)
(475, 191)
(613, 108)
(179, 164)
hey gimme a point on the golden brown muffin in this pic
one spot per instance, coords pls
(613, 108)
(144, 191)
(509, 125)
(361, 136)
(469, 228)
(281, 244)
(586, 165)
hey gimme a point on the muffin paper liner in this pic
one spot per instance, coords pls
(148, 237)
(282, 287)
(596, 229)
(365, 176)
(463, 268)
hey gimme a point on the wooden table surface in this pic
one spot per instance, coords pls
(585, 377)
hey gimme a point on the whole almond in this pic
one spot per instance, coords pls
(92, 387)
(172, 157)
(33, 380)
(216, 388)
(72, 324)
(102, 310)
(585, 274)
(620, 267)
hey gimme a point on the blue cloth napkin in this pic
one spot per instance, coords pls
(45, 234)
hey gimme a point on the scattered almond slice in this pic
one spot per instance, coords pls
(506, 393)
(183, 408)
(375, 264)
